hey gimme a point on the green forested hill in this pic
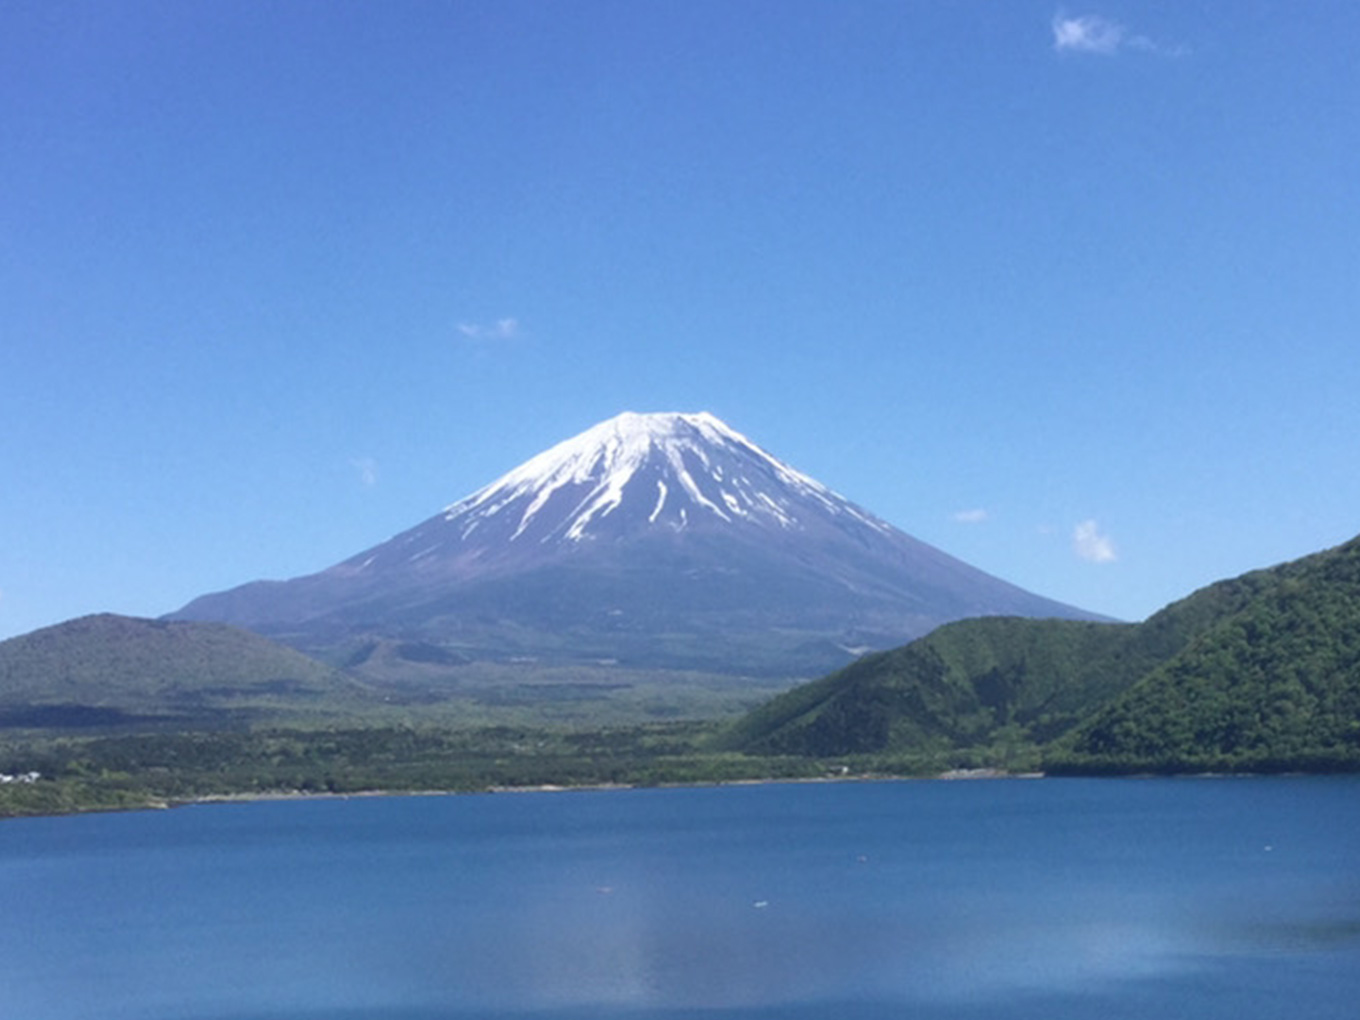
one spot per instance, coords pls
(1273, 682)
(107, 669)
(1262, 671)
(952, 688)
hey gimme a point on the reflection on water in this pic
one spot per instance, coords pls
(1052, 899)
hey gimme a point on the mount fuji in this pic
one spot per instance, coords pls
(650, 540)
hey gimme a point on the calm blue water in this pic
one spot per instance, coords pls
(1052, 899)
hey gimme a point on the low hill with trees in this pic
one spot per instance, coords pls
(1261, 672)
(107, 670)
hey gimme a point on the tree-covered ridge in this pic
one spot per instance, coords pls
(954, 688)
(1262, 671)
(1273, 683)
(97, 669)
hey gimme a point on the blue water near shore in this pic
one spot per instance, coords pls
(1009, 900)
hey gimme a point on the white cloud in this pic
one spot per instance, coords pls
(501, 329)
(1090, 33)
(974, 516)
(368, 471)
(1091, 545)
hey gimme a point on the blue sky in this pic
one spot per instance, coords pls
(1070, 292)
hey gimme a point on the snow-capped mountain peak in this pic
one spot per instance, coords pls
(680, 468)
(650, 539)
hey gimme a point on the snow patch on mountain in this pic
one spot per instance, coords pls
(660, 502)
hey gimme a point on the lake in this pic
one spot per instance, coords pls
(1037, 899)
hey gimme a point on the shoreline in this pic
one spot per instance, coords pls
(284, 795)
(267, 796)
(949, 775)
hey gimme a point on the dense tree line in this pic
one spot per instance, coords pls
(148, 769)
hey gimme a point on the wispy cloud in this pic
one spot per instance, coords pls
(367, 468)
(501, 329)
(974, 516)
(1090, 33)
(1091, 544)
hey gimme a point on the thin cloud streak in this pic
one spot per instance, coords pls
(501, 329)
(368, 471)
(1093, 546)
(1090, 33)
(974, 516)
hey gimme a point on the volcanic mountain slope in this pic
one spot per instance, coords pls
(662, 540)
